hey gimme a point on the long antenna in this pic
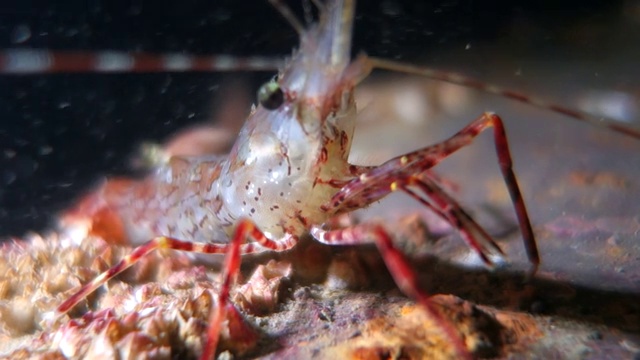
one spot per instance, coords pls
(286, 12)
(454, 78)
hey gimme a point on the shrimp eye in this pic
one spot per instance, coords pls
(270, 96)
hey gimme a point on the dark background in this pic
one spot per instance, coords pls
(59, 134)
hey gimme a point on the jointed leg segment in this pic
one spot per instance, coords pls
(400, 270)
(410, 172)
(246, 229)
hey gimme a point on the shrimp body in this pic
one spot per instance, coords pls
(280, 171)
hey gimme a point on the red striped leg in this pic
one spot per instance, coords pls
(425, 189)
(473, 234)
(371, 185)
(245, 229)
(161, 242)
(400, 270)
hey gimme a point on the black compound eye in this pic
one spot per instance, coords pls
(270, 96)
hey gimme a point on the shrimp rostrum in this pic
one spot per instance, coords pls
(288, 175)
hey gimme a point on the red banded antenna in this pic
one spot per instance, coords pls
(32, 61)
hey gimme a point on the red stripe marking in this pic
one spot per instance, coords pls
(516, 96)
(565, 111)
(73, 62)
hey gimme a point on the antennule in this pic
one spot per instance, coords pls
(286, 12)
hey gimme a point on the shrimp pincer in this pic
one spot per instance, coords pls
(288, 174)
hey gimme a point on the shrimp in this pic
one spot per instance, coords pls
(288, 174)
